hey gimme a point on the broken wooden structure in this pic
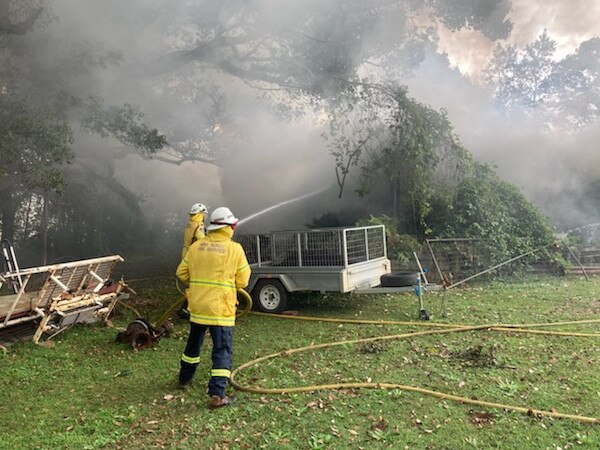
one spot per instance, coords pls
(47, 300)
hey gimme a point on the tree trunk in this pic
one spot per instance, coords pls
(8, 209)
(27, 217)
(395, 200)
(45, 231)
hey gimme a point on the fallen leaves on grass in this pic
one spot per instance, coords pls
(372, 347)
(380, 424)
(482, 418)
(318, 403)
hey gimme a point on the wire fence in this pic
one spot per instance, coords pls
(453, 261)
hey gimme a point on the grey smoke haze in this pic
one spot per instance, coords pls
(277, 160)
(550, 166)
(271, 159)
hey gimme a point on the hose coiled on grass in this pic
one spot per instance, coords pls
(448, 328)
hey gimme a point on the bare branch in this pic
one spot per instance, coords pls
(175, 157)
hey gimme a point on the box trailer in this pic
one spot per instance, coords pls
(344, 259)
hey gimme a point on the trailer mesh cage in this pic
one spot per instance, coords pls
(333, 247)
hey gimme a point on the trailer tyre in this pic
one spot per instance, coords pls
(397, 279)
(270, 296)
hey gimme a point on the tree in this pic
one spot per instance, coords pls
(293, 54)
(523, 78)
(30, 13)
(489, 16)
(38, 110)
(579, 76)
(300, 51)
(408, 157)
(566, 93)
(205, 58)
(33, 149)
(297, 44)
(394, 140)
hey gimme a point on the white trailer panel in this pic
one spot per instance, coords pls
(324, 260)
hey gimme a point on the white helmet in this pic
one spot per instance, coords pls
(198, 208)
(221, 217)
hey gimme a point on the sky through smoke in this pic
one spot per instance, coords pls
(569, 23)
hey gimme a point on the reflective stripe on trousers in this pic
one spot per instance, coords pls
(222, 338)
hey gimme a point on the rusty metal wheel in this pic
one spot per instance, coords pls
(141, 340)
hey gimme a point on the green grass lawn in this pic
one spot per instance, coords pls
(86, 391)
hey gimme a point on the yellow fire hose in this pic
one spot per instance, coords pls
(141, 334)
(179, 303)
(510, 328)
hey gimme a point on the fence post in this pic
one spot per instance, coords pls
(437, 267)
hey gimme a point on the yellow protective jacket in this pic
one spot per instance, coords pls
(214, 268)
(194, 230)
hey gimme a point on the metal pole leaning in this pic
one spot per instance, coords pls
(483, 272)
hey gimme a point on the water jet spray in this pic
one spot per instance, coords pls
(278, 205)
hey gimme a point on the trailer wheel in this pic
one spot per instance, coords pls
(396, 279)
(270, 296)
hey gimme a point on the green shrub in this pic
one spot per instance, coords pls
(485, 206)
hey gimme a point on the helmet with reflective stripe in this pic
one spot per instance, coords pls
(198, 208)
(221, 217)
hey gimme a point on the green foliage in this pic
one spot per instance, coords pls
(437, 189)
(484, 206)
(318, 47)
(33, 147)
(40, 103)
(97, 214)
(312, 52)
(578, 77)
(124, 123)
(396, 140)
(400, 247)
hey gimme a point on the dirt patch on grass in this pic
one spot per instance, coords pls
(477, 356)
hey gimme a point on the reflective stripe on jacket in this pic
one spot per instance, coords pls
(214, 268)
(194, 230)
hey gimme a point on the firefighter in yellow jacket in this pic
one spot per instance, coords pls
(214, 268)
(194, 229)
